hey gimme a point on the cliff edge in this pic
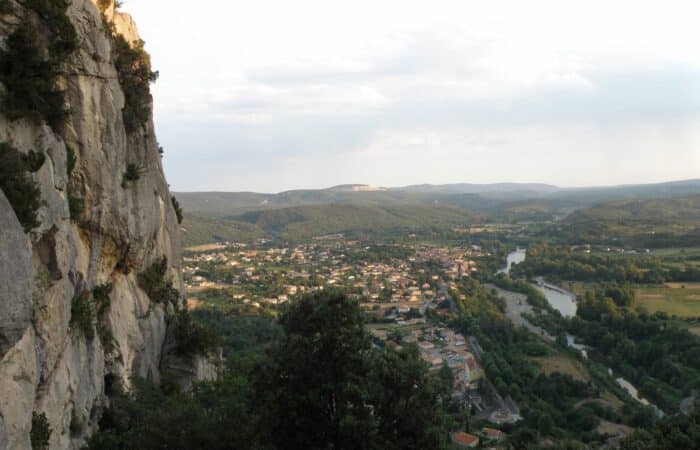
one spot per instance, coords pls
(90, 246)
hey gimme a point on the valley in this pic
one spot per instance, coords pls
(499, 309)
(519, 277)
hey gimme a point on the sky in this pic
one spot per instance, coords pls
(269, 95)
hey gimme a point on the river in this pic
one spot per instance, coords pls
(565, 302)
(560, 299)
(515, 257)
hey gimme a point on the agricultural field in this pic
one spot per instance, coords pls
(679, 299)
(205, 248)
(562, 364)
(676, 251)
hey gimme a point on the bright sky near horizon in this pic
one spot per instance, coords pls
(273, 95)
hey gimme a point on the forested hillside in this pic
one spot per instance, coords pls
(310, 221)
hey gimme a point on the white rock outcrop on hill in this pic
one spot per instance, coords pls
(46, 367)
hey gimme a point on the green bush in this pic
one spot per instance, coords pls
(131, 175)
(135, 76)
(101, 295)
(77, 425)
(82, 314)
(21, 191)
(193, 338)
(157, 287)
(75, 202)
(75, 206)
(28, 74)
(64, 39)
(41, 432)
(178, 209)
(106, 337)
(71, 160)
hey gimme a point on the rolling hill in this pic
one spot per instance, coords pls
(361, 208)
(678, 211)
(313, 220)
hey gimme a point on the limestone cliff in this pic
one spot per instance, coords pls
(49, 365)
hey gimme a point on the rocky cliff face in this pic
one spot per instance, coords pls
(49, 365)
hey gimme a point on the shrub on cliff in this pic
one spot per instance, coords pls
(178, 209)
(21, 191)
(154, 282)
(101, 295)
(28, 66)
(30, 87)
(192, 338)
(131, 175)
(41, 432)
(64, 39)
(135, 76)
(82, 314)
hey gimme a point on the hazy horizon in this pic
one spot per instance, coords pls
(273, 96)
(602, 186)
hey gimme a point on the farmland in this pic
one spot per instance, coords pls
(676, 299)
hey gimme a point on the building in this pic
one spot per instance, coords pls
(493, 434)
(465, 440)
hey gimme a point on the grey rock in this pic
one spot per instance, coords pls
(48, 366)
(15, 278)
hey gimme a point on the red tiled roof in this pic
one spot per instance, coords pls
(465, 439)
(493, 433)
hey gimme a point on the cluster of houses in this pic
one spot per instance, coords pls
(312, 266)
(438, 347)
(399, 291)
(455, 262)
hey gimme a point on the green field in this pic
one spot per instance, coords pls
(683, 251)
(673, 299)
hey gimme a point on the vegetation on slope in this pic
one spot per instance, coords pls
(676, 432)
(678, 210)
(155, 283)
(133, 66)
(553, 405)
(199, 230)
(651, 223)
(320, 385)
(309, 221)
(30, 62)
(15, 181)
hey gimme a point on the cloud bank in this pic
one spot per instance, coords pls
(270, 95)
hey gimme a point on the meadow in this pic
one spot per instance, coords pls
(676, 299)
